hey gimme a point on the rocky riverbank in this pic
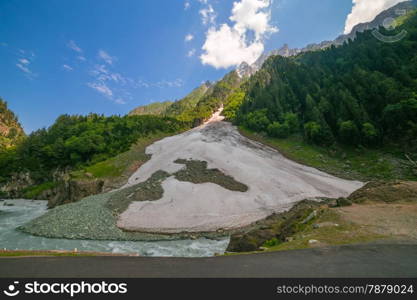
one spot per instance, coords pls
(379, 210)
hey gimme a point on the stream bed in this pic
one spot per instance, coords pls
(22, 211)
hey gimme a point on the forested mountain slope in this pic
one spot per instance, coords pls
(176, 108)
(76, 142)
(361, 93)
(156, 108)
(200, 103)
(391, 13)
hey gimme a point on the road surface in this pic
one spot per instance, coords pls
(371, 260)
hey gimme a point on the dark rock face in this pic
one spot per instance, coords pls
(279, 226)
(74, 190)
(13, 188)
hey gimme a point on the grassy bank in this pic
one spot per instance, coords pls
(35, 191)
(124, 164)
(328, 229)
(345, 162)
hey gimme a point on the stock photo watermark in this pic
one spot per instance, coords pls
(69, 289)
(390, 24)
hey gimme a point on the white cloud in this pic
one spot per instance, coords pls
(108, 83)
(72, 45)
(187, 5)
(120, 101)
(251, 15)
(171, 84)
(208, 15)
(106, 57)
(24, 65)
(230, 45)
(67, 67)
(99, 70)
(191, 53)
(139, 83)
(102, 88)
(82, 58)
(116, 86)
(226, 47)
(189, 38)
(24, 61)
(366, 10)
(24, 68)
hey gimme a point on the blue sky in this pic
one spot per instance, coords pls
(110, 56)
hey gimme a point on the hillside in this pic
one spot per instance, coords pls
(363, 93)
(199, 105)
(10, 129)
(394, 12)
(176, 108)
(155, 108)
(189, 102)
(80, 146)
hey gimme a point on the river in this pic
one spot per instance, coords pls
(22, 211)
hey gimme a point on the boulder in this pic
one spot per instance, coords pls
(75, 190)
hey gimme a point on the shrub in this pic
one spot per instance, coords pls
(278, 130)
(291, 120)
(257, 120)
(369, 134)
(348, 133)
(272, 242)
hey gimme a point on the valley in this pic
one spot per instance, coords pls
(305, 148)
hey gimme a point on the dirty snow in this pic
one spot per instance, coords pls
(275, 183)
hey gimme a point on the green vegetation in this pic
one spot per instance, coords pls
(342, 161)
(233, 102)
(200, 104)
(34, 191)
(79, 142)
(156, 108)
(179, 108)
(95, 146)
(218, 94)
(122, 164)
(363, 93)
(10, 130)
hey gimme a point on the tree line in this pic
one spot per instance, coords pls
(76, 141)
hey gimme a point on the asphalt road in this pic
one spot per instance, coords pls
(375, 261)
